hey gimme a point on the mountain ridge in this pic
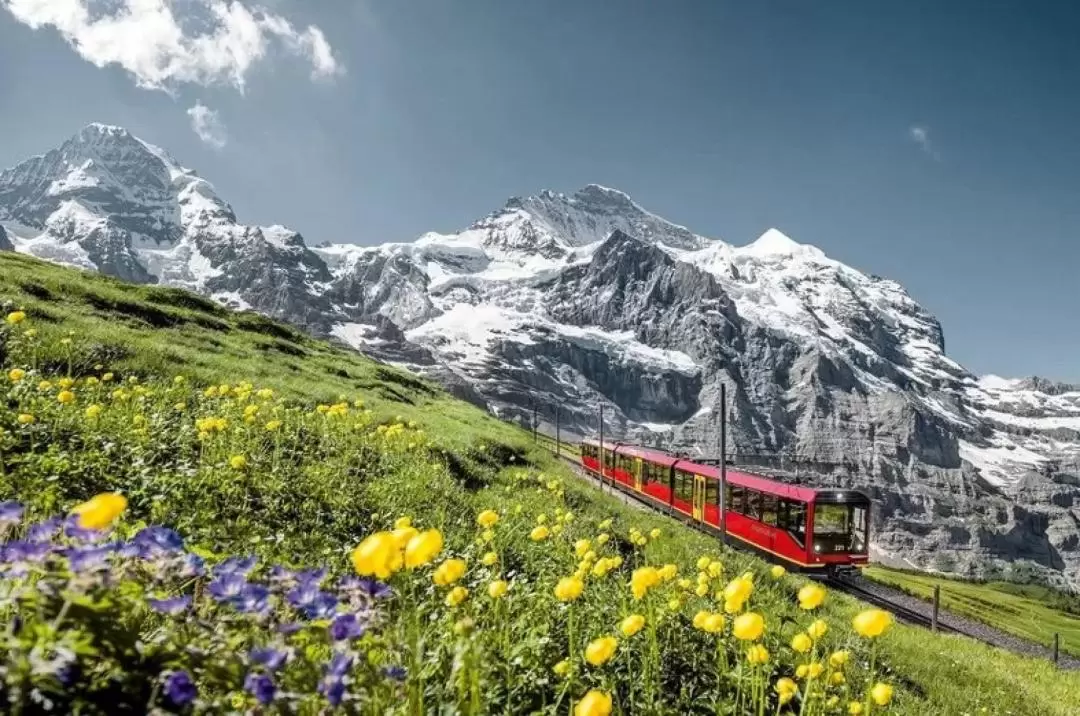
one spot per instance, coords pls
(588, 299)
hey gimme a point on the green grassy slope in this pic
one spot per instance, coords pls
(310, 495)
(1029, 611)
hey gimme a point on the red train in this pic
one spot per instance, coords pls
(804, 528)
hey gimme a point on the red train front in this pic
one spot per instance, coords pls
(805, 528)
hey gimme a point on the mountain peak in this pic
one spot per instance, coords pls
(776, 243)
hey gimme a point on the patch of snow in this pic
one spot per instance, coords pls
(1001, 464)
(624, 346)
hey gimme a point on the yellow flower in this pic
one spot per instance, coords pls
(838, 658)
(777, 571)
(817, 629)
(714, 624)
(837, 678)
(832, 702)
(786, 689)
(715, 569)
(814, 669)
(632, 625)
(801, 670)
(605, 525)
(497, 589)
(402, 536)
(422, 548)
(402, 522)
(748, 627)
(456, 596)
(562, 668)
(541, 519)
(701, 590)
(272, 425)
(107, 377)
(655, 533)
(685, 583)
(100, 511)
(44, 385)
(602, 538)
(601, 568)
(93, 411)
(594, 703)
(539, 534)
(801, 643)
(582, 547)
(65, 383)
(487, 535)
(378, 555)
(16, 374)
(738, 590)
(449, 572)
(881, 694)
(643, 579)
(264, 394)
(854, 708)
(811, 596)
(568, 589)
(700, 617)
(489, 559)
(16, 317)
(757, 654)
(674, 604)
(599, 651)
(487, 519)
(872, 623)
(703, 563)
(668, 572)
(238, 462)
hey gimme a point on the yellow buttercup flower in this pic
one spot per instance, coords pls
(377, 555)
(801, 671)
(655, 533)
(714, 623)
(872, 623)
(716, 568)
(669, 572)
(497, 589)
(814, 669)
(238, 462)
(811, 596)
(700, 617)
(562, 668)
(703, 563)
(837, 678)
(65, 397)
(632, 625)
(449, 572)
(881, 694)
(817, 629)
(777, 571)
(801, 643)
(487, 519)
(738, 590)
(599, 651)
(402, 535)
(489, 559)
(854, 708)
(582, 547)
(16, 374)
(643, 579)
(757, 654)
(838, 658)
(602, 538)
(748, 627)
(16, 317)
(594, 703)
(539, 533)
(786, 689)
(100, 511)
(541, 519)
(402, 522)
(93, 411)
(423, 548)
(568, 589)
(456, 596)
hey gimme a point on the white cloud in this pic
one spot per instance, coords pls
(208, 125)
(920, 134)
(165, 43)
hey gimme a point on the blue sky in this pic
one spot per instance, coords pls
(936, 143)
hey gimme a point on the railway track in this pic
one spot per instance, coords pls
(907, 609)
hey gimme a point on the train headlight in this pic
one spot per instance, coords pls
(817, 547)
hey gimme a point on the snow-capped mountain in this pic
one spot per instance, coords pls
(588, 299)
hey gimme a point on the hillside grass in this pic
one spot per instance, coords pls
(313, 489)
(1030, 611)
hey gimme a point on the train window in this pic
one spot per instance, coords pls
(840, 528)
(768, 508)
(609, 459)
(736, 499)
(712, 492)
(791, 517)
(753, 504)
(684, 486)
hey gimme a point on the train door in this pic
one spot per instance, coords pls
(639, 468)
(699, 497)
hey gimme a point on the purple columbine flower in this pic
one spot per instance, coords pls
(236, 565)
(322, 607)
(311, 576)
(302, 595)
(396, 673)
(193, 566)
(261, 687)
(124, 549)
(272, 659)
(253, 599)
(180, 689)
(333, 690)
(227, 587)
(339, 665)
(43, 531)
(88, 559)
(24, 551)
(345, 627)
(11, 513)
(170, 605)
(157, 541)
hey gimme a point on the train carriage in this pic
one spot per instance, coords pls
(806, 528)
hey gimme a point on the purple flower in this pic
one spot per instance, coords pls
(227, 587)
(261, 687)
(11, 513)
(303, 595)
(367, 587)
(396, 673)
(170, 605)
(81, 534)
(193, 566)
(333, 685)
(180, 689)
(346, 626)
(157, 541)
(289, 628)
(124, 549)
(333, 690)
(339, 665)
(236, 565)
(272, 659)
(22, 551)
(88, 559)
(43, 531)
(311, 576)
(253, 599)
(322, 607)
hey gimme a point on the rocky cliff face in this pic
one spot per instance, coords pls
(587, 300)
